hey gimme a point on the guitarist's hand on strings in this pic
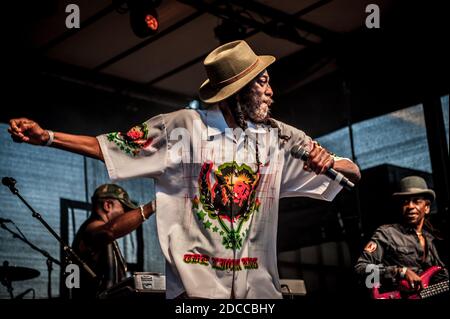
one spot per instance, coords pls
(414, 280)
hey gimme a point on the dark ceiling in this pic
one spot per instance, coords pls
(331, 69)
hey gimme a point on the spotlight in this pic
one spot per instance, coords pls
(194, 105)
(143, 17)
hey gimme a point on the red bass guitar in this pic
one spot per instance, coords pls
(406, 292)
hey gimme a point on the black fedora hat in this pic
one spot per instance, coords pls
(414, 186)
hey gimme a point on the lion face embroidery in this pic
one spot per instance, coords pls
(226, 206)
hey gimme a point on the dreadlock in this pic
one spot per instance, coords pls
(429, 226)
(273, 124)
(436, 232)
(239, 118)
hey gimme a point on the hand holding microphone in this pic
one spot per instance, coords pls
(321, 162)
(319, 159)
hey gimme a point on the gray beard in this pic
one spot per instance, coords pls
(256, 110)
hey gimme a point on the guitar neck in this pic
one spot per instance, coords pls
(434, 290)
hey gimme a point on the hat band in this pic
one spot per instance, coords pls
(236, 77)
(415, 190)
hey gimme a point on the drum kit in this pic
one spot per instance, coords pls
(8, 274)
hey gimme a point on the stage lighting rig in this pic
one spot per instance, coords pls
(144, 17)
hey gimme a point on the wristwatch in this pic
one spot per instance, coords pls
(403, 272)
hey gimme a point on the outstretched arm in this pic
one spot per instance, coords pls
(99, 233)
(23, 130)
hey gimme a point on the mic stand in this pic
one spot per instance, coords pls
(49, 282)
(5, 281)
(70, 254)
(50, 259)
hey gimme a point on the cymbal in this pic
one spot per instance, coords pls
(13, 273)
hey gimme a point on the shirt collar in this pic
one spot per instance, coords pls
(216, 123)
(407, 229)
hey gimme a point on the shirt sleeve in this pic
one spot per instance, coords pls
(296, 181)
(374, 254)
(139, 152)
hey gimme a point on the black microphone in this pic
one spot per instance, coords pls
(8, 181)
(299, 152)
(5, 220)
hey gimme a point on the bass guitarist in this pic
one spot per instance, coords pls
(403, 252)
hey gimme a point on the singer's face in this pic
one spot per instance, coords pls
(256, 98)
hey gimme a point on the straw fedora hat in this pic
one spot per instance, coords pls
(414, 186)
(229, 68)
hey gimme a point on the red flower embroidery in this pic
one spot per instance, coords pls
(135, 133)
